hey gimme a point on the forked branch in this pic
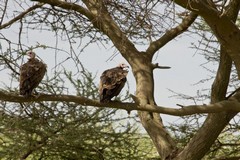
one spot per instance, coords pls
(172, 33)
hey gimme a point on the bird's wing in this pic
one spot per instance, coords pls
(111, 83)
(110, 78)
(31, 74)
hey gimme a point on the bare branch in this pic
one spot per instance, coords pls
(222, 26)
(100, 18)
(68, 6)
(20, 16)
(156, 66)
(172, 33)
(8, 63)
(227, 105)
(232, 9)
(4, 12)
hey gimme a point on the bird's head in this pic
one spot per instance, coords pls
(31, 54)
(123, 66)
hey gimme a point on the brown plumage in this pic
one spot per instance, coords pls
(31, 74)
(111, 82)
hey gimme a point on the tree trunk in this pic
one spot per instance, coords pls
(143, 72)
(227, 35)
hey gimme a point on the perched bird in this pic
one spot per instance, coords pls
(31, 74)
(111, 82)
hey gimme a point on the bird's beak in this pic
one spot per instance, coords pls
(126, 67)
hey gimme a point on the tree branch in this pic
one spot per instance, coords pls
(227, 105)
(156, 66)
(200, 7)
(4, 9)
(105, 23)
(200, 144)
(20, 16)
(68, 6)
(226, 31)
(232, 9)
(172, 33)
(100, 18)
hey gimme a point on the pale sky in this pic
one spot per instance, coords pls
(185, 64)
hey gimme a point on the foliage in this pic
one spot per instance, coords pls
(137, 30)
(61, 130)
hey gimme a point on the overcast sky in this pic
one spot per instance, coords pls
(184, 62)
(184, 73)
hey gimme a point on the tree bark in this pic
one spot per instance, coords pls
(143, 72)
(228, 35)
(200, 144)
(222, 25)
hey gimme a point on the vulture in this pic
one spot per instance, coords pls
(111, 82)
(31, 74)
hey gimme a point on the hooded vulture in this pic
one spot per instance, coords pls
(111, 82)
(31, 74)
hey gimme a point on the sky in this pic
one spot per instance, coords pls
(185, 64)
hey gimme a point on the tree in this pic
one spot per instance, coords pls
(126, 24)
(65, 130)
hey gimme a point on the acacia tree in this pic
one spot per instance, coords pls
(129, 23)
(65, 130)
